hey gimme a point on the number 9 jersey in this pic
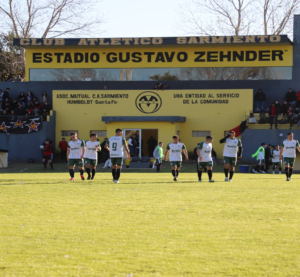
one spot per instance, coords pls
(116, 145)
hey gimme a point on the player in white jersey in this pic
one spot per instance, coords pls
(232, 151)
(115, 146)
(75, 154)
(175, 149)
(204, 158)
(288, 152)
(275, 159)
(92, 147)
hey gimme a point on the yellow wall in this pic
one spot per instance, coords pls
(216, 117)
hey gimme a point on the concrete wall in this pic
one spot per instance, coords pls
(24, 146)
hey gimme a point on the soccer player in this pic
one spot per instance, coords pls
(175, 148)
(115, 147)
(47, 154)
(288, 151)
(91, 155)
(232, 150)
(275, 159)
(75, 154)
(158, 154)
(204, 158)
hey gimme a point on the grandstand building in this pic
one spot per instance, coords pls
(189, 86)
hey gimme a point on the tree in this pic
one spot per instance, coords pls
(165, 77)
(50, 18)
(238, 17)
(10, 59)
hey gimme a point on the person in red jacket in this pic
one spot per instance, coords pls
(63, 145)
(47, 154)
(274, 111)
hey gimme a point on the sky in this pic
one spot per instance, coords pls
(140, 18)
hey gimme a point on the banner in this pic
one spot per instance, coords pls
(20, 126)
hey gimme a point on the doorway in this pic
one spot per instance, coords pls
(147, 140)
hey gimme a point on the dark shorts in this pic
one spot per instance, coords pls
(289, 161)
(230, 160)
(46, 157)
(73, 162)
(116, 161)
(90, 161)
(178, 164)
(202, 165)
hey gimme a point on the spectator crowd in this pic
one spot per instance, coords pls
(24, 104)
(289, 109)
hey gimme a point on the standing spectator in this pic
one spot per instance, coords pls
(291, 97)
(1, 95)
(63, 145)
(104, 151)
(6, 106)
(22, 98)
(47, 155)
(133, 143)
(260, 99)
(278, 106)
(6, 93)
(45, 110)
(195, 156)
(151, 145)
(268, 156)
(20, 110)
(284, 108)
(273, 114)
(44, 97)
(298, 99)
(12, 79)
(37, 108)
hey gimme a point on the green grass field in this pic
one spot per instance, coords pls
(148, 225)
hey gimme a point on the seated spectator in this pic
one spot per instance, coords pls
(260, 99)
(1, 107)
(14, 104)
(22, 98)
(6, 106)
(30, 94)
(37, 107)
(284, 108)
(45, 110)
(1, 95)
(29, 108)
(273, 114)
(291, 97)
(20, 110)
(159, 86)
(167, 86)
(44, 97)
(28, 99)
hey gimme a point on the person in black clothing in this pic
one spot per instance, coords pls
(291, 97)
(20, 110)
(214, 156)
(151, 146)
(278, 106)
(195, 156)
(260, 99)
(6, 106)
(104, 151)
(273, 114)
(45, 110)
(133, 144)
(22, 98)
(284, 108)
(268, 157)
(6, 94)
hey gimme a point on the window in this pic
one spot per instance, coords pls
(161, 74)
(67, 133)
(100, 133)
(201, 133)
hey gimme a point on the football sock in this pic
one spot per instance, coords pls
(287, 172)
(93, 173)
(231, 174)
(158, 167)
(71, 173)
(118, 174)
(173, 173)
(291, 172)
(81, 172)
(51, 165)
(45, 164)
(226, 172)
(177, 173)
(199, 174)
(88, 171)
(209, 173)
(113, 171)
